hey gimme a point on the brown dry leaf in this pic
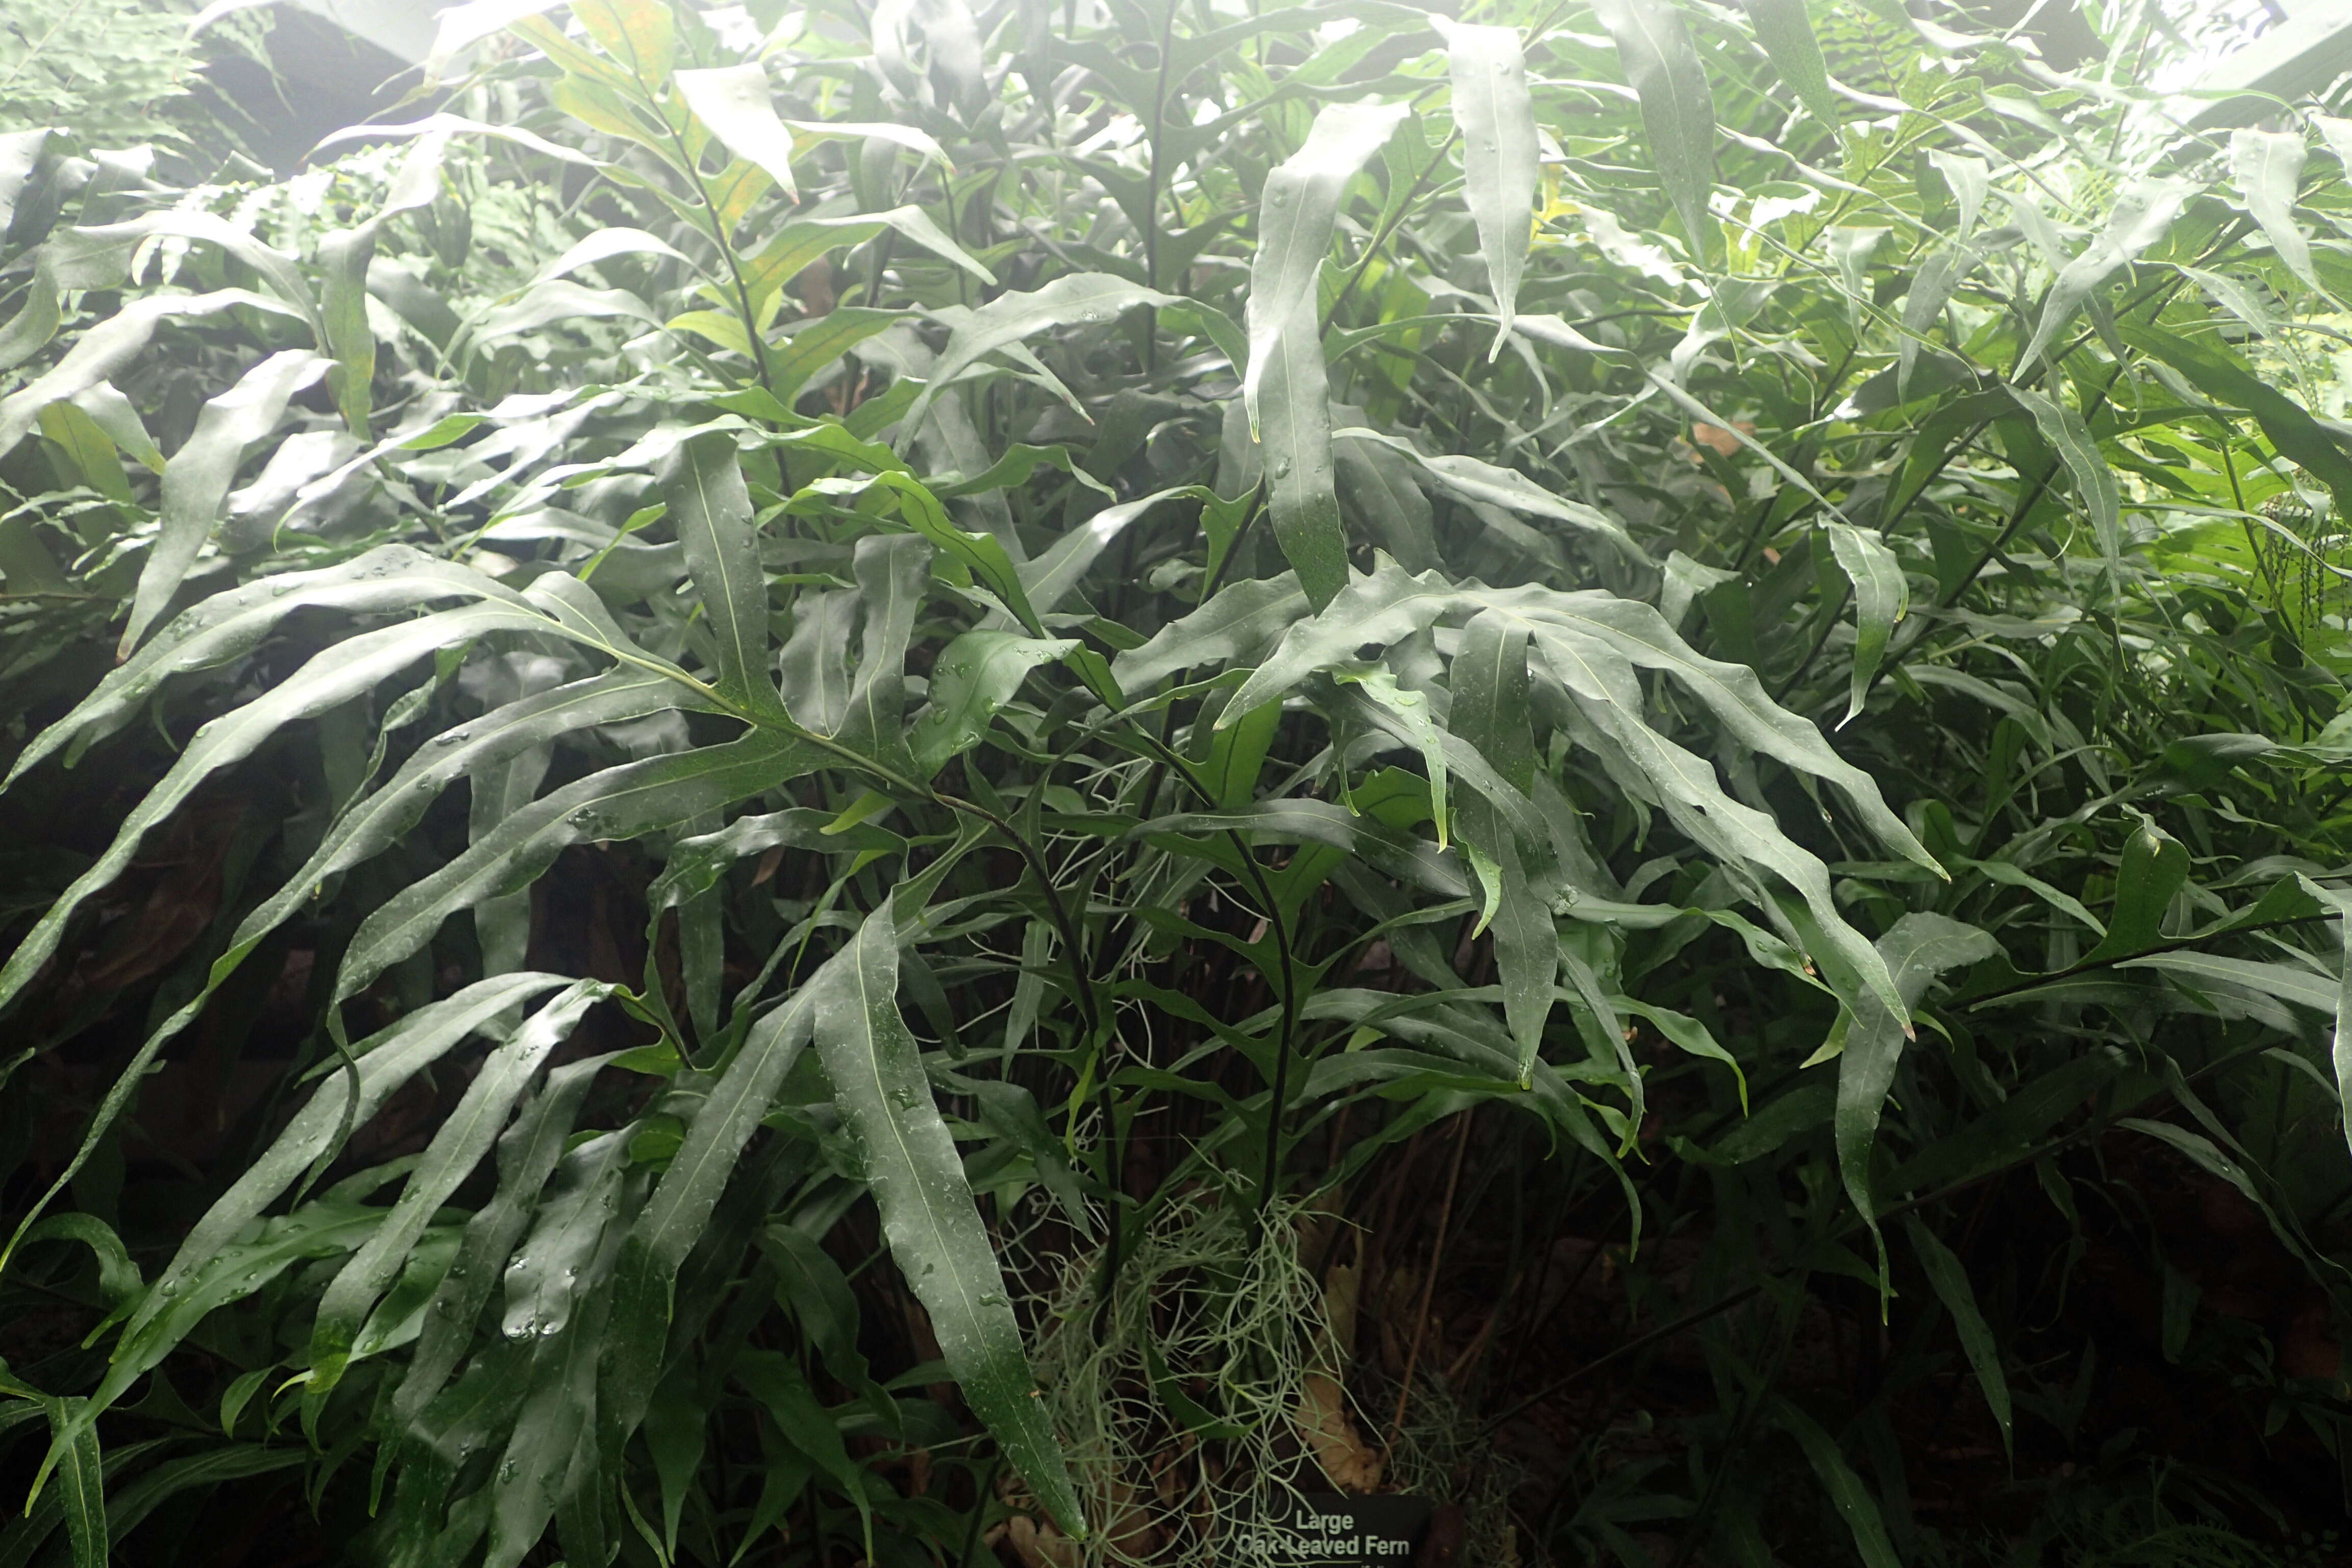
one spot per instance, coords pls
(1720, 441)
(1040, 1545)
(815, 283)
(1342, 1285)
(1330, 1434)
(1132, 1531)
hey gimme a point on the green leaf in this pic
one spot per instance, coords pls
(1243, 618)
(557, 1304)
(322, 1229)
(1845, 1489)
(197, 477)
(483, 750)
(2213, 370)
(1382, 608)
(1377, 489)
(1950, 1278)
(2063, 428)
(1286, 389)
(696, 864)
(1473, 479)
(2143, 214)
(817, 344)
(464, 1136)
(208, 1469)
(893, 576)
(2153, 867)
(1055, 574)
(1923, 307)
(20, 155)
(982, 554)
(1586, 634)
(1677, 110)
(1733, 697)
(1786, 35)
(344, 1099)
(602, 246)
(2261, 982)
(117, 1277)
(1881, 597)
(732, 101)
(106, 349)
(238, 619)
(934, 1231)
(112, 412)
(1079, 299)
(344, 328)
(1488, 683)
(1526, 959)
(626, 802)
(2267, 166)
(1409, 711)
(1396, 853)
(815, 670)
(805, 1423)
(681, 1204)
(974, 676)
(821, 1299)
(80, 1481)
(459, 28)
(527, 1155)
(1496, 115)
(1918, 948)
(330, 680)
(803, 239)
(1969, 179)
(703, 484)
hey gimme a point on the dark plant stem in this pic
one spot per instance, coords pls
(1429, 1280)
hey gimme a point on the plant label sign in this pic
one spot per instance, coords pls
(1326, 1529)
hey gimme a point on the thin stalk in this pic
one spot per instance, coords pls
(719, 239)
(1429, 1280)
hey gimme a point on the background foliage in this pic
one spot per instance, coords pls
(835, 785)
